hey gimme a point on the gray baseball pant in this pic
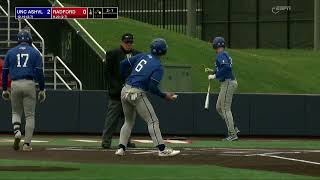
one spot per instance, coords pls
(224, 102)
(114, 119)
(23, 99)
(135, 101)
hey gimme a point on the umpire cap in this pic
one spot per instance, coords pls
(127, 38)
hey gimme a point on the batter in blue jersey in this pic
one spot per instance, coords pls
(228, 85)
(24, 64)
(146, 74)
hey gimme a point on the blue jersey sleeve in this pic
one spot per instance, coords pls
(38, 61)
(5, 71)
(128, 63)
(155, 89)
(38, 69)
(156, 77)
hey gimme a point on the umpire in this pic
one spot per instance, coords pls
(115, 84)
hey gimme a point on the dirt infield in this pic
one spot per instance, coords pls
(300, 162)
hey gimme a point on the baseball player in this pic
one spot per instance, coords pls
(228, 85)
(146, 75)
(24, 64)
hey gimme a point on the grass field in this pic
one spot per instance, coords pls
(129, 170)
(140, 172)
(257, 70)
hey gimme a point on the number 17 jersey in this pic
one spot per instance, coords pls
(22, 61)
(145, 68)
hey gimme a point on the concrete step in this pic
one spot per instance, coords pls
(4, 37)
(11, 29)
(49, 71)
(13, 36)
(13, 24)
(66, 77)
(60, 85)
(48, 59)
(4, 16)
(50, 65)
(4, 46)
(15, 42)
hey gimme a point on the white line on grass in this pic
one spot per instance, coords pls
(271, 153)
(234, 152)
(291, 159)
(145, 152)
(255, 149)
(311, 151)
(232, 155)
(11, 141)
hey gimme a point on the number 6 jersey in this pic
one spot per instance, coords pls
(144, 69)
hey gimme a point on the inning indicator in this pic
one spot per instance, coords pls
(66, 12)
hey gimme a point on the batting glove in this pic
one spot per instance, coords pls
(210, 77)
(6, 95)
(42, 96)
(208, 70)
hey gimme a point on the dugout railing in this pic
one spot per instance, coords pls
(57, 75)
(79, 28)
(41, 45)
(9, 41)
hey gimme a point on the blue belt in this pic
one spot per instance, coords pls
(229, 79)
(26, 78)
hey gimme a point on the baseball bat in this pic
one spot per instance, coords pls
(206, 104)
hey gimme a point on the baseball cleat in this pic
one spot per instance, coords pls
(17, 139)
(167, 152)
(104, 146)
(237, 130)
(231, 138)
(26, 147)
(120, 152)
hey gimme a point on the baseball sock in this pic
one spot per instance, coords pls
(161, 147)
(16, 127)
(122, 146)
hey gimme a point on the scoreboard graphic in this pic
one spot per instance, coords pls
(66, 12)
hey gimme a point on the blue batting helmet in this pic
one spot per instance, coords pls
(24, 36)
(158, 47)
(218, 42)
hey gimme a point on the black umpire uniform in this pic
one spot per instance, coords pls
(115, 83)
